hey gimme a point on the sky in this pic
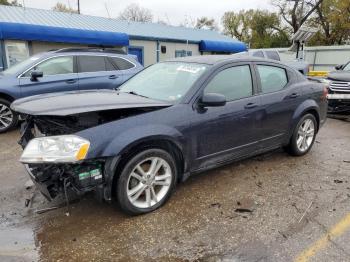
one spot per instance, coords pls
(172, 12)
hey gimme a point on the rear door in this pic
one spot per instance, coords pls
(59, 74)
(98, 72)
(279, 99)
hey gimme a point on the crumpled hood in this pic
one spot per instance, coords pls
(339, 76)
(76, 102)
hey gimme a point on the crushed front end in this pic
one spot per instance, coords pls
(53, 178)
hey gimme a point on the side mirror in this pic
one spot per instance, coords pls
(339, 67)
(212, 99)
(34, 75)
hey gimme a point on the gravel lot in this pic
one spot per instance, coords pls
(270, 208)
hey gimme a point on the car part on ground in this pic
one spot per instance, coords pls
(180, 114)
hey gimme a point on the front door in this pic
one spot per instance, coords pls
(227, 132)
(58, 75)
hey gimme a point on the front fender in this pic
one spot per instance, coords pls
(136, 135)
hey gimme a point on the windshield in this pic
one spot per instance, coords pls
(347, 67)
(164, 81)
(20, 67)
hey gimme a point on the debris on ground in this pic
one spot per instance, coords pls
(338, 181)
(218, 205)
(305, 212)
(346, 161)
(245, 205)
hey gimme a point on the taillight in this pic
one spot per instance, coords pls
(324, 93)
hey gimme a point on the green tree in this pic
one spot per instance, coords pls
(333, 19)
(296, 12)
(13, 3)
(63, 8)
(259, 28)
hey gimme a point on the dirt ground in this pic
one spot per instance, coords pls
(270, 208)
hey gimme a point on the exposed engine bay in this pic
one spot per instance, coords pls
(54, 179)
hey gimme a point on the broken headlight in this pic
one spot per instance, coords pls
(56, 149)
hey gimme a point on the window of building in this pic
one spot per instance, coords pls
(234, 83)
(94, 64)
(54, 66)
(16, 51)
(122, 64)
(182, 53)
(272, 78)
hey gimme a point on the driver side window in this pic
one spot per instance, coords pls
(234, 83)
(54, 66)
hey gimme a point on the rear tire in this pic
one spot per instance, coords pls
(303, 136)
(146, 181)
(8, 118)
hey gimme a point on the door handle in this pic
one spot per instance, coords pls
(71, 81)
(294, 95)
(113, 77)
(250, 105)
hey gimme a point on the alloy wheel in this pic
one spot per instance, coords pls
(149, 182)
(6, 116)
(306, 133)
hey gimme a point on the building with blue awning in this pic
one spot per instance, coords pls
(27, 31)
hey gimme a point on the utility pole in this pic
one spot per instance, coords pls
(78, 6)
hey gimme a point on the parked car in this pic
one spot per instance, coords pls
(169, 121)
(62, 70)
(299, 65)
(339, 89)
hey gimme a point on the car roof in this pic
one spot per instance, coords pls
(216, 59)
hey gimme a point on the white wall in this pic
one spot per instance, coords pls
(172, 47)
(321, 58)
(38, 47)
(149, 50)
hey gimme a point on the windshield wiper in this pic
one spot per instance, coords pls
(136, 94)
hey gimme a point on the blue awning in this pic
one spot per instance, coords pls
(221, 46)
(31, 32)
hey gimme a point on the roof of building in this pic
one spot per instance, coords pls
(135, 30)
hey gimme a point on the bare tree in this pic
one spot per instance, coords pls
(60, 7)
(134, 12)
(296, 12)
(206, 23)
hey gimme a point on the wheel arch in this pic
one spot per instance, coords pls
(6, 97)
(160, 142)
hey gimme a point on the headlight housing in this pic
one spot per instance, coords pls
(55, 149)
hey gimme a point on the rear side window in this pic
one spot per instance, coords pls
(234, 83)
(273, 55)
(122, 64)
(272, 78)
(94, 64)
(258, 54)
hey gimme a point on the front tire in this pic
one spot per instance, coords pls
(146, 182)
(303, 136)
(8, 118)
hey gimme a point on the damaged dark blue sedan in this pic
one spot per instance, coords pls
(171, 120)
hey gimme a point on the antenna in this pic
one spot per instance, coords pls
(107, 10)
